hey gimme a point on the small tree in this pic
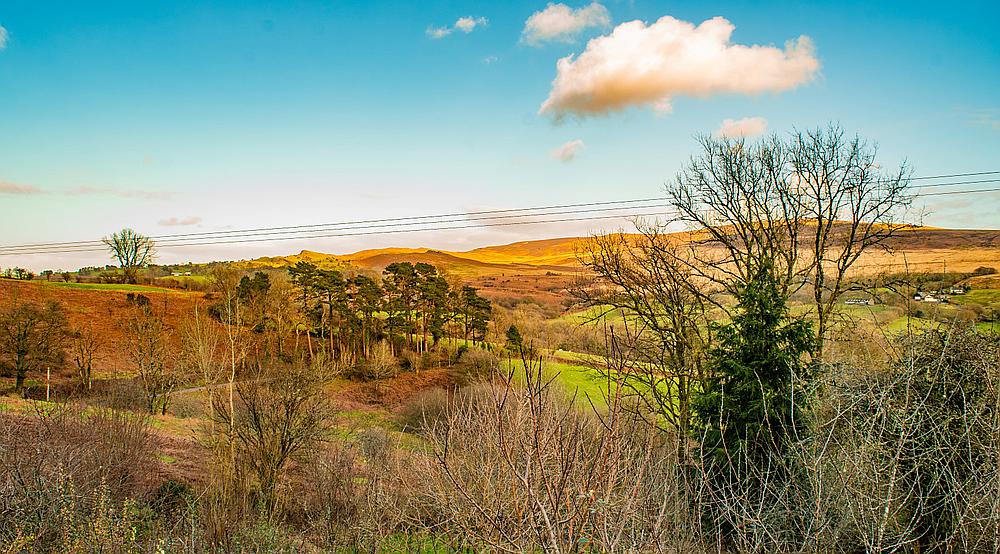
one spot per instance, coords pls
(147, 346)
(515, 342)
(85, 347)
(132, 250)
(201, 341)
(271, 424)
(31, 338)
(752, 404)
(381, 363)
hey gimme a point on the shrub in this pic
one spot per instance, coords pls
(69, 476)
(424, 410)
(477, 364)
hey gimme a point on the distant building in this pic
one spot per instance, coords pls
(930, 297)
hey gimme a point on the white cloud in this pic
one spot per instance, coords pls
(14, 188)
(647, 65)
(488, 60)
(3, 37)
(567, 152)
(180, 222)
(463, 24)
(559, 22)
(467, 24)
(746, 127)
(438, 32)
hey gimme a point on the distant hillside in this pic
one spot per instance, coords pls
(550, 255)
(916, 248)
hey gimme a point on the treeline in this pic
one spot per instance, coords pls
(17, 273)
(337, 316)
(413, 307)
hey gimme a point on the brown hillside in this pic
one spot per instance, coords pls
(105, 310)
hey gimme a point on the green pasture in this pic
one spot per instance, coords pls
(115, 287)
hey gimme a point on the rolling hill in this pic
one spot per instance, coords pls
(919, 248)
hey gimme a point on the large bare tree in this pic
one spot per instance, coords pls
(132, 250)
(659, 342)
(806, 207)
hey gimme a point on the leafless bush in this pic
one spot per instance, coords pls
(424, 410)
(913, 450)
(477, 364)
(273, 421)
(381, 363)
(122, 394)
(331, 495)
(528, 470)
(412, 361)
(68, 476)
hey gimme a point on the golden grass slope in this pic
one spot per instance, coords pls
(918, 249)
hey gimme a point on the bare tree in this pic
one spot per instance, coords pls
(86, 348)
(807, 208)
(200, 339)
(852, 206)
(273, 421)
(232, 313)
(132, 250)
(32, 337)
(658, 348)
(147, 346)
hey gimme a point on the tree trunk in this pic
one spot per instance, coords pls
(20, 372)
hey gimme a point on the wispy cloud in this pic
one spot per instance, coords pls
(987, 117)
(746, 127)
(180, 222)
(3, 37)
(463, 24)
(122, 193)
(648, 65)
(6, 187)
(14, 188)
(561, 23)
(567, 152)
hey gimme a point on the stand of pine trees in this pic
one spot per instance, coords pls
(413, 307)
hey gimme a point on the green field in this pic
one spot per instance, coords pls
(109, 287)
(978, 296)
(580, 380)
(199, 279)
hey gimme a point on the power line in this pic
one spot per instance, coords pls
(342, 223)
(958, 183)
(87, 246)
(959, 192)
(973, 174)
(165, 238)
(266, 233)
(401, 231)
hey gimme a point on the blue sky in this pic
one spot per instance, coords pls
(243, 114)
